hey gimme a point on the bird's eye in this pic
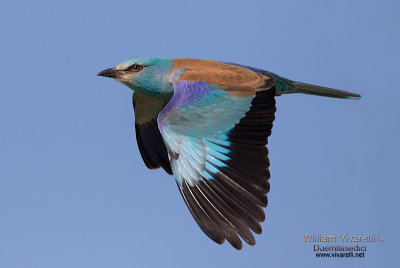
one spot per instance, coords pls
(135, 68)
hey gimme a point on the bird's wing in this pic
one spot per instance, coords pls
(150, 142)
(216, 141)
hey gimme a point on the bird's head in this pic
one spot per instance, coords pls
(149, 75)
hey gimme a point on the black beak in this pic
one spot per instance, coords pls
(112, 73)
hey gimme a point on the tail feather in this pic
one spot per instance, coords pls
(286, 86)
(325, 91)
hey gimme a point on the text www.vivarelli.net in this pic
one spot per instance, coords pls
(340, 255)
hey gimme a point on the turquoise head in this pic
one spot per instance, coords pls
(150, 76)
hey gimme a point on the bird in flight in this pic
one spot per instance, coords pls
(207, 123)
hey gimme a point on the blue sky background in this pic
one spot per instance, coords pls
(74, 191)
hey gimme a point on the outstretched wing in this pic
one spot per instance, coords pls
(216, 137)
(150, 142)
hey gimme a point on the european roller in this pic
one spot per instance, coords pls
(207, 123)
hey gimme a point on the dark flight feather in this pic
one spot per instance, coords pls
(151, 144)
